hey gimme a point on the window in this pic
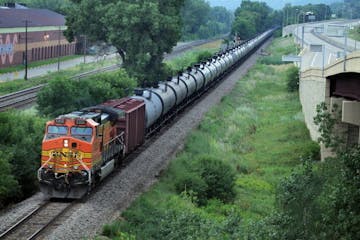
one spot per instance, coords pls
(56, 131)
(82, 133)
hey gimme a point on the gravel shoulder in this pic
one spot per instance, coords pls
(114, 196)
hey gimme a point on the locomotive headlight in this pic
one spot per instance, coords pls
(66, 143)
(76, 167)
(51, 166)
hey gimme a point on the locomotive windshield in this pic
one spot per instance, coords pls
(56, 131)
(82, 133)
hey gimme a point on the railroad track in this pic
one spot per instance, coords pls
(28, 96)
(37, 221)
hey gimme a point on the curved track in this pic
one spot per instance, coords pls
(37, 221)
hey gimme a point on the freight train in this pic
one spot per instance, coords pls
(81, 148)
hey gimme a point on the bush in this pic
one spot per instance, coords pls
(63, 95)
(203, 56)
(20, 154)
(292, 78)
(193, 186)
(208, 178)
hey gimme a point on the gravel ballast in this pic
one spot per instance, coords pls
(115, 195)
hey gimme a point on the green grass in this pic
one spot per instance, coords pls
(36, 64)
(19, 84)
(281, 46)
(259, 130)
(355, 33)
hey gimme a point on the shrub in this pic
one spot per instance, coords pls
(292, 78)
(203, 56)
(219, 177)
(63, 95)
(208, 178)
(193, 186)
(20, 154)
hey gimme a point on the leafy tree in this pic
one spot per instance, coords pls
(195, 14)
(21, 149)
(297, 201)
(202, 21)
(142, 31)
(251, 18)
(342, 210)
(9, 187)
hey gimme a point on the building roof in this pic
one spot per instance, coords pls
(12, 18)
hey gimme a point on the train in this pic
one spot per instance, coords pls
(81, 148)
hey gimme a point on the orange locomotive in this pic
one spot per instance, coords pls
(81, 148)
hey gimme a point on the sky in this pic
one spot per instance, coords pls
(275, 4)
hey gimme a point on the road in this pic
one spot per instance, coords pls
(330, 34)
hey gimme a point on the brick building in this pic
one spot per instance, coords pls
(44, 38)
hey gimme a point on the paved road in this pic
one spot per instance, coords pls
(331, 35)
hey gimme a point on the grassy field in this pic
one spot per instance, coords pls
(259, 131)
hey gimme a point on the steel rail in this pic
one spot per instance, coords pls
(33, 230)
(17, 224)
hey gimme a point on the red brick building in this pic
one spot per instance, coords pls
(44, 38)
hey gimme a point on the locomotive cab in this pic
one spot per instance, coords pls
(78, 150)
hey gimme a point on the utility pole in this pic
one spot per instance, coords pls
(58, 49)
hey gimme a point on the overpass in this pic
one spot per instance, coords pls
(330, 74)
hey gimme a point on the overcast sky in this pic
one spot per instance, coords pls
(276, 4)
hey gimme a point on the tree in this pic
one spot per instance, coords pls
(202, 21)
(142, 31)
(251, 18)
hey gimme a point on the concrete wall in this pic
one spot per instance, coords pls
(314, 88)
(312, 91)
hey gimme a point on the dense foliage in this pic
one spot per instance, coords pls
(141, 31)
(252, 18)
(63, 95)
(299, 14)
(200, 20)
(19, 155)
(207, 178)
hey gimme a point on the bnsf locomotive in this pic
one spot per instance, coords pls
(81, 148)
